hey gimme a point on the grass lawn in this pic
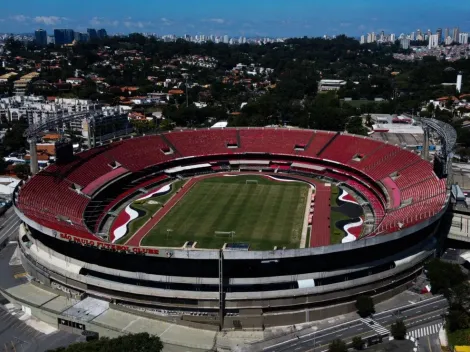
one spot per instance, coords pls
(459, 337)
(149, 207)
(265, 215)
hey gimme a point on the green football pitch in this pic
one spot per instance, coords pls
(263, 215)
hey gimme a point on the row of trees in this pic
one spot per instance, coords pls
(449, 280)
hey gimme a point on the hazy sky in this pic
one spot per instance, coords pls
(239, 17)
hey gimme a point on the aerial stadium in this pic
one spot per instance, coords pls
(238, 228)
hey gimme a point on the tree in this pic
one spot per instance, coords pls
(355, 126)
(21, 170)
(14, 139)
(357, 343)
(443, 276)
(365, 306)
(138, 342)
(337, 346)
(398, 330)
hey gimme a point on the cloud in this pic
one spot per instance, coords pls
(100, 21)
(48, 20)
(345, 24)
(137, 24)
(217, 20)
(166, 21)
(96, 21)
(19, 18)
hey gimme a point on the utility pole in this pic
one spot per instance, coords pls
(187, 97)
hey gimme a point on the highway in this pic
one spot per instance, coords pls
(416, 316)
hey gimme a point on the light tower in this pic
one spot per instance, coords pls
(33, 166)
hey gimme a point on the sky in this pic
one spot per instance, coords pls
(278, 18)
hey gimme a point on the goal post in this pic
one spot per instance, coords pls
(251, 182)
(225, 234)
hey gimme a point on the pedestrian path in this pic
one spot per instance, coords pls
(375, 326)
(426, 331)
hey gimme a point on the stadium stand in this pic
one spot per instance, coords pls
(282, 141)
(204, 142)
(62, 194)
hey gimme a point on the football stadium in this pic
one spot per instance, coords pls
(235, 228)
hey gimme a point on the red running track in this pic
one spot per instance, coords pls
(150, 224)
(320, 234)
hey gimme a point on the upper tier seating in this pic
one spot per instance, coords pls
(345, 147)
(204, 142)
(279, 141)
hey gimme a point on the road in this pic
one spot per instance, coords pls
(416, 316)
(9, 224)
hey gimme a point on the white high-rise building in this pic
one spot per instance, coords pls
(226, 39)
(405, 43)
(463, 38)
(433, 41)
(392, 37)
(412, 36)
(373, 37)
(363, 39)
(448, 40)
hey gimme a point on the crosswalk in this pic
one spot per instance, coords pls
(426, 331)
(375, 326)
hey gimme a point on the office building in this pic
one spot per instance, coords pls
(226, 39)
(412, 36)
(433, 41)
(439, 34)
(393, 37)
(455, 35)
(40, 37)
(363, 39)
(405, 43)
(92, 33)
(463, 38)
(102, 33)
(64, 36)
(446, 33)
(81, 37)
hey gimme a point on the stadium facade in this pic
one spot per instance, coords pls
(66, 210)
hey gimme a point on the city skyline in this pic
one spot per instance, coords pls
(248, 18)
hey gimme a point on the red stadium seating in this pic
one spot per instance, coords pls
(279, 141)
(345, 147)
(50, 198)
(203, 142)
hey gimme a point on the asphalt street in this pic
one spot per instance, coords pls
(415, 316)
(9, 224)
